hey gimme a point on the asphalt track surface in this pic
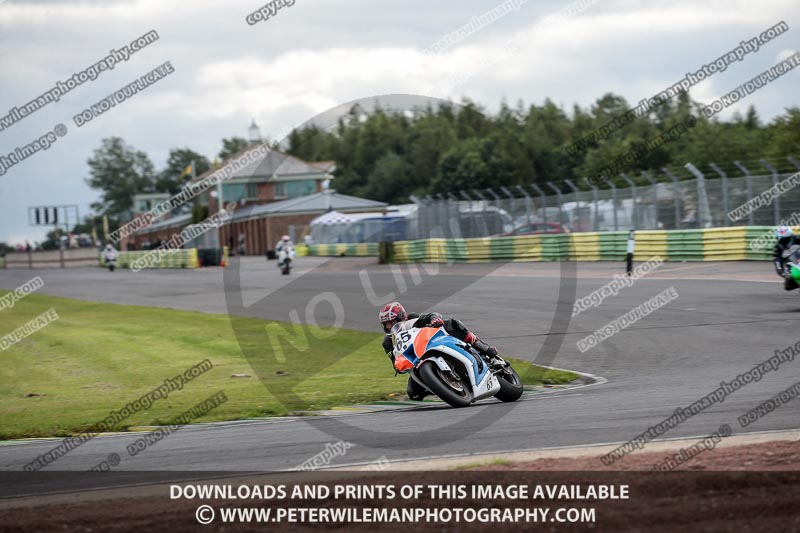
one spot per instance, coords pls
(728, 317)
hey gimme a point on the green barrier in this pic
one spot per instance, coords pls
(613, 245)
(555, 247)
(760, 241)
(685, 245)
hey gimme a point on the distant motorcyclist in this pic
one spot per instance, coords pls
(785, 238)
(110, 255)
(394, 312)
(284, 244)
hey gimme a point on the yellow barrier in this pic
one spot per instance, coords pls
(652, 243)
(586, 246)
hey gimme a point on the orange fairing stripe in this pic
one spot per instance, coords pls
(402, 364)
(422, 340)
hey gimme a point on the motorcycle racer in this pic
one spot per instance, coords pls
(285, 242)
(394, 312)
(784, 239)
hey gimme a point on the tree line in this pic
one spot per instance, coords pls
(390, 155)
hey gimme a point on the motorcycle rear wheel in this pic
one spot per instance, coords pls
(455, 394)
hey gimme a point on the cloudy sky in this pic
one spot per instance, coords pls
(318, 54)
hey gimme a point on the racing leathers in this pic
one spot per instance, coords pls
(777, 258)
(453, 327)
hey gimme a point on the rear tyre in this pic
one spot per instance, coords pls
(510, 385)
(455, 393)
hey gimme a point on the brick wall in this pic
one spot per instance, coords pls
(263, 234)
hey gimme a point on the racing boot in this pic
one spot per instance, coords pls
(415, 391)
(488, 352)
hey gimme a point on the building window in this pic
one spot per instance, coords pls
(293, 189)
(144, 205)
(234, 192)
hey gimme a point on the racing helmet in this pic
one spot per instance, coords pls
(783, 231)
(285, 238)
(391, 314)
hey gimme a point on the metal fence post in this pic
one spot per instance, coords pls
(482, 204)
(471, 218)
(749, 178)
(703, 209)
(613, 200)
(544, 201)
(527, 203)
(560, 202)
(794, 161)
(453, 222)
(497, 199)
(654, 185)
(725, 206)
(577, 210)
(634, 211)
(596, 224)
(776, 202)
(675, 186)
(512, 204)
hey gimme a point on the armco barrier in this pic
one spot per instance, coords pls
(174, 259)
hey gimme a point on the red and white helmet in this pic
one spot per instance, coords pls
(391, 314)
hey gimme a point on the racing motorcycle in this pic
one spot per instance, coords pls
(111, 260)
(285, 256)
(450, 368)
(791, 262)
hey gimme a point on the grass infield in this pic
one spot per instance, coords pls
(99, 357)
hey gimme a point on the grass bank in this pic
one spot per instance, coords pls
(100, 357)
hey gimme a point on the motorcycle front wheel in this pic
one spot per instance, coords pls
(446, 385)
(510, 385)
